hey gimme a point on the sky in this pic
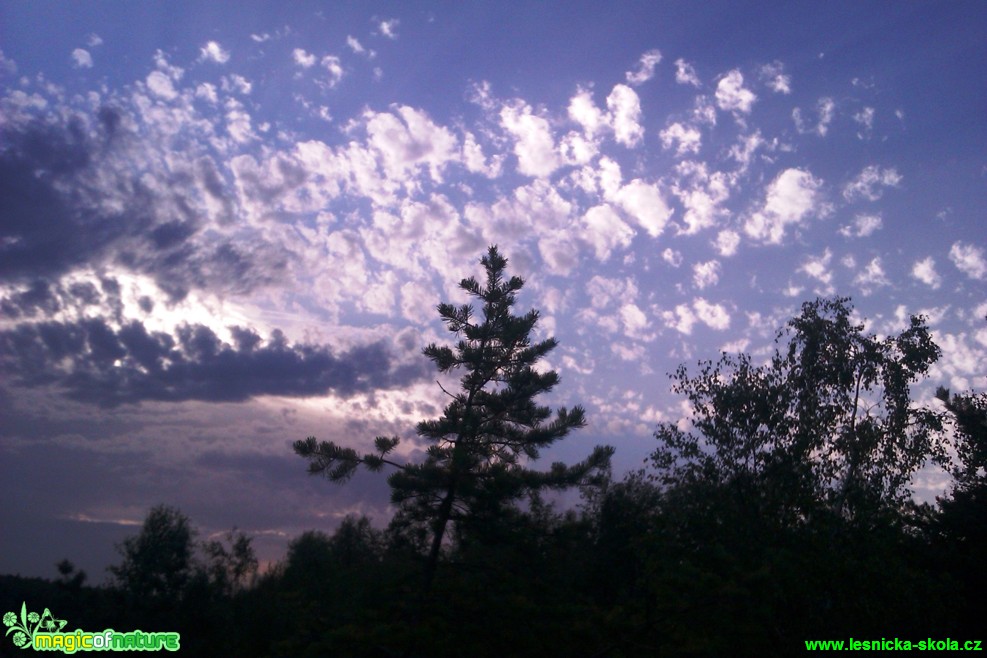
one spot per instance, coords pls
(225, 227)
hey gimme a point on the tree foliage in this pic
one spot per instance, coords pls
(960, 526)
(826, 426)
(232, 565)
(479, 448)
(969, 412)
(158, 563)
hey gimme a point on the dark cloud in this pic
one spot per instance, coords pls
(87, 191)
(37, 298)
(42, 299)
(44, 231)
(96, 364)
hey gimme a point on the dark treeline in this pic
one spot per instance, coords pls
(639, 570)
(781, 512)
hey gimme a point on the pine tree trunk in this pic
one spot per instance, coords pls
(445, 511)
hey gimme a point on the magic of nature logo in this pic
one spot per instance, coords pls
(44, 632)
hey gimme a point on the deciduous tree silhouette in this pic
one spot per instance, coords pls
(230, 569)
(71, 578)
(969, 412)
(159, 562)
(489, 430)
(961, 524)
(826, 427)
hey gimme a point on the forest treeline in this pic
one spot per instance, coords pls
(781, 511)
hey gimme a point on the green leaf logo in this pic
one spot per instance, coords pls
(30, 623)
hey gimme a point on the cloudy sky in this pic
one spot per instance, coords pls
(224, 229)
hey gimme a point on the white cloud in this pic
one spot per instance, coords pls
(726, 242)
(238, 123)
(81, 59)
(534, 145)
(685, 74)
(583, 111)
(162, 64)
(925, 271)
(862, 226)
(623, 116)
(161, 85)
(867, 185)
(672, 257)
(872, 277)
(644, 202)
(799, 121)
(789, 200)
(646, 68)
(865, 119)
(745, 148)
(604, 292)
(686, 139)
(335, 67)
(792, 290)
(389, 28)
(584, 365)
(610, 177)
(537, 211)
(702, 194)
(969, 259)
(681, 319)
(934, 316)
(476, 161)
(427, 232)
(774, 76)
(976, 318)
(605, 231)
(213, 52)
(237, 83)
(825, 108)
(731, 94)
(634, 354)
(9, 67)
(94, 40)
(576, 149)
(705, 274)
(207, 92)
(817, 267)
(625, 107)
(704, 111)
(961, 363)
(379, 296)
(736, 346)
(304, 59)
(559, 253)
(411, 139)
(481, 95)
(713, 316)
(417, 302)
(355, 45)
(634, 321)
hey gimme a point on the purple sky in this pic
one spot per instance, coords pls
(225, 227)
